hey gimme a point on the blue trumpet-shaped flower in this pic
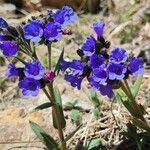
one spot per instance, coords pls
(88, 47)
(75, 81)
(29, 86)
(99, 28)
(9, 48)
(76, 67)
(33, 31)
(100, 75)
(136, 66)
(34, 70)
(118, 55)
(65, 16)
(52, 31)
(116, 71)
(96, 61)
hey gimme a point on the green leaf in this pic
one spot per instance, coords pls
(57, 67)
(128, 105)
(46, 139)
(94, 99)
(44, 106)
(136, 86)
(94, 144)
(72, 133)
(97, 112)
(76, 117)
(59, 107)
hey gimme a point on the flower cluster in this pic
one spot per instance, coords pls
(23, 38)
(103, 70)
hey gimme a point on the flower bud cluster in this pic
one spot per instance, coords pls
(103, 69)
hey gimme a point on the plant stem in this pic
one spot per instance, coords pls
(34, 55)
(135, 106)
(49, 56)
(55, 108)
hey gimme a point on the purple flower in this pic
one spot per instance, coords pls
(136, 66)
(89, 46)
(116, 71)
(52, 31)
(76, 67)
(96, 61)
(12, 71)
(118, 55)
(65, 16)
(9, 48)
(74, 80)
(50, 75)
(103, 89)
(3, 23)
(34, 70)
(33, 31)
(106, 90)
(64, 65)
(99, 28)
(100, 75)
(2, 37)
(29, 87)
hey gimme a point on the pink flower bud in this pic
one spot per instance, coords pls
(50, 75)
(67, 32)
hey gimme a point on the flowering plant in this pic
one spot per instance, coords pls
(108, 72)
(23, 39)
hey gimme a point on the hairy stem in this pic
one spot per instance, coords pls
(49, 56)
(126, 89)
(55, 108)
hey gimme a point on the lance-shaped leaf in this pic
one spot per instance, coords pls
(136, 86)
(44, 106)
(57, 67)
(59, 109)
(46, 139)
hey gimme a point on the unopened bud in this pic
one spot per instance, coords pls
(67, 32)
(50, 75)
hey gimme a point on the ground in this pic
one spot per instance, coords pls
(127, 27)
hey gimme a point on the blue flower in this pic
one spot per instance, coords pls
(65, 16)
(99, 28)
(96, 61)
(3, 23)
(2, 37)
(118, 55)
(34, 70)
(52, 31)
(9, 48)
(64, 65)
(74, 80)
(29, 86)
(89, 46)
(136, 67)
(33, 31)
(12, 71)
(116, 71)
(106, 90)
(100, 75)
(76, 67)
